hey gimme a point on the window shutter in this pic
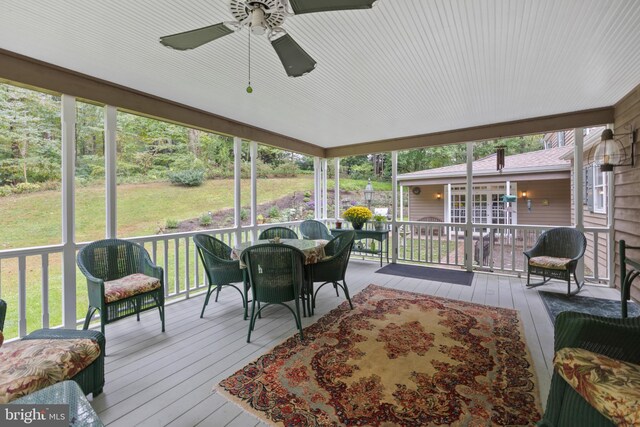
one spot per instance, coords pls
(588, 187)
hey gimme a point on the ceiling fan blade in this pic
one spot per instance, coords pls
(296, 61)
(194, 38)
(311, 6)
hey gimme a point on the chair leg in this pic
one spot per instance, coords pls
(297, 317)
(252, 319)
(218, 292)
(206, 301)
(346, 293)
(161, 309)
(136, 304)
(335, 286)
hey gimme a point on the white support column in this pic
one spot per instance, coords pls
(237, 175)
(611, 241)
(254, 193)
(317, 197)
(110, 178)
(336, 187)
(578, 210)
(68, 212)
(325, 177)
(401, 203)
(447, 204)
(394, 209)
(468, 241)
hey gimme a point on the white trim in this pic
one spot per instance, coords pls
(237, 175)
(578, 210)
(336, 186)
(324, 183)
(68, 212)
(394, 206)
(253, 148)
(468, 238)
(110, 170)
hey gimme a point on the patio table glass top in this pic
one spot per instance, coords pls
(313, 250)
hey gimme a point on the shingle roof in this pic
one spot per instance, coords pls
(542, 159)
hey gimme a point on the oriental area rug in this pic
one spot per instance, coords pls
(398, 358)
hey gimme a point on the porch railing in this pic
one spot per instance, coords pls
(495, 247)
(31, 278)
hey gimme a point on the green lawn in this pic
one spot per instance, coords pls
(34, 219)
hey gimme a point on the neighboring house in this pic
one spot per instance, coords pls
(540, 180)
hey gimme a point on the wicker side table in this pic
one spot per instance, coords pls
(66, 392)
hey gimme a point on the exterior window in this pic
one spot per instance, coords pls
(487, 208)
(458, 208)
(561, 140)
(599, 190)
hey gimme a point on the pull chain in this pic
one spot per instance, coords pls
(249, 88)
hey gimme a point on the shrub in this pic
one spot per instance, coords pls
(307, 194)
(306, 199)
(244, 214)
(286, 170)
(26, 187)
(205, 219)
(187, 178)
(274, 212)
(172, 223)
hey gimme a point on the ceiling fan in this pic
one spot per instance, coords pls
(266, 16)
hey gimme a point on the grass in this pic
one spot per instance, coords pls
(34, 219)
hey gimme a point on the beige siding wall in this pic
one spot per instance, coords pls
(627, 186)
(557, 209)
(426, 204)
(592, 219)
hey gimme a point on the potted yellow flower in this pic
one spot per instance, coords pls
(357, 215)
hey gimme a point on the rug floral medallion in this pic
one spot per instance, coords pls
(397, 359)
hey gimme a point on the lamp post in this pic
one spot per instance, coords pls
(368, 193)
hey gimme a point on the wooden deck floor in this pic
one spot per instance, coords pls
(155, 378)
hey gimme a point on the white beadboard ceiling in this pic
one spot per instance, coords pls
(405, 67)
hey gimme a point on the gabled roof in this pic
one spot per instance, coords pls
(541, 161)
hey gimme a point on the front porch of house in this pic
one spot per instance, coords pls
(155, 378)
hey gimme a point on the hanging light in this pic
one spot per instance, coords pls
(610, 152)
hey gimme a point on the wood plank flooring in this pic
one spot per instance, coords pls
(166, 379)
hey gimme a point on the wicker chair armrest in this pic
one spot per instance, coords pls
(3, 313)
(152, 270)
(616, 338)
(537, 250)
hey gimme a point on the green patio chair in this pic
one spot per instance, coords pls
(121, 280)
(220, 268)
(3, 313)
(276, 274)
(314, 230)
(333, 268)
(555, 256)
(611, 337)
(281, 232)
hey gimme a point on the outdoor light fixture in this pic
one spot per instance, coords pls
(368, 193)
(610, 152)
(438, 196)
(524, 194)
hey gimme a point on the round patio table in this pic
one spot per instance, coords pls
(313, 250)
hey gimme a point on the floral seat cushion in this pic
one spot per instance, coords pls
(30, 365)
(611, 386)
(550, 262)
(128, 286)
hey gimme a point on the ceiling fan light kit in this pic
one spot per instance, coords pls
(266, 17)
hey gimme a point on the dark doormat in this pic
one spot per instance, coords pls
(455, 277)
(556, 303)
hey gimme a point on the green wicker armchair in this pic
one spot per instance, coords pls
(614, 338)
(333, 268)
(221, 269)
(121, 280)
(3, 313)
(314, 230)
(281, 232)
(555, 256)
(276, 273)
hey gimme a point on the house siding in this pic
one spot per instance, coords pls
(426, 204)
(556, 192)
(627, 187)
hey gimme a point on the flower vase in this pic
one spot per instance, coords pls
(357, 225)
